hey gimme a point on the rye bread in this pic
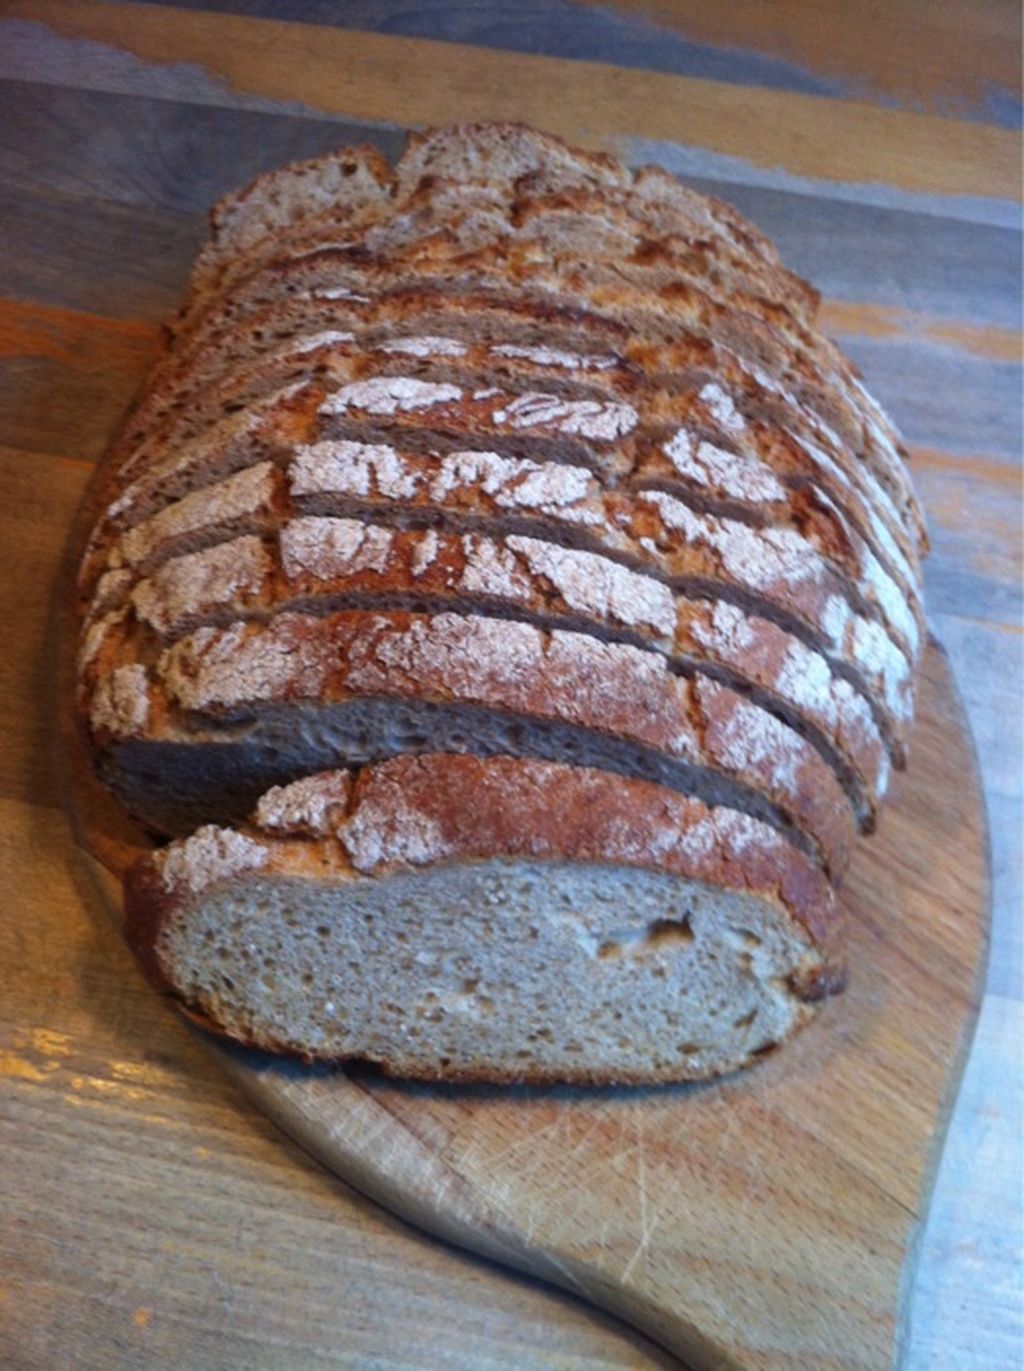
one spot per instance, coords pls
(448, 918)
(773, 573)
(511, 474)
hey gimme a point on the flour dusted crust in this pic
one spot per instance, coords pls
(323, 560)
(777, 565)
(758, 469)
(502, 508)
(835, 401)
(612, 691)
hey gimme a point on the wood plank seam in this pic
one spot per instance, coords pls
(384, 80)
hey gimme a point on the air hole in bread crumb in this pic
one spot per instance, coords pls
(660, 934)
(689, 1049)
(746, 1020)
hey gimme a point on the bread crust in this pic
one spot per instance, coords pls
(758, 350)
(769, 572)
(320, 564)
(695, 729)
(743, 448)
(677, 294)
(365, 395)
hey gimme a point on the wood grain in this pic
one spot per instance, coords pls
(416, 81)
(918, 55)
(760, 1222)
(44, 492)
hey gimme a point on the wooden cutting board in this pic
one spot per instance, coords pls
(766, 1221)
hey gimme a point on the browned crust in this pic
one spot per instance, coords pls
(562, 677)
(148, 907)
(803, 359)
(841, 530)
(779, 297)
(744, 324)
(628, 526)
(835, 536)
(656, 375)
(516, 807)
(490, 574)
(521, 163)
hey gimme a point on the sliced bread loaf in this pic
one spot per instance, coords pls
(504, 522)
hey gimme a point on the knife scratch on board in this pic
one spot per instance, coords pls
(647, 1224)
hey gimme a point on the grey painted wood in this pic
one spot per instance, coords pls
(162, 154)
(944, 397)
(553, 28)
(566, 28)
(123, 261)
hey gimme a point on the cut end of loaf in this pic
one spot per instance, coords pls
(495, 970)
(452, 918)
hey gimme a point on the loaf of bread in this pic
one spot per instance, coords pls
(508, 605)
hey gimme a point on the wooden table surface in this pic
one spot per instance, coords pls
(149, 1216)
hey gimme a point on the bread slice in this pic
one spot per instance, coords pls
(774, 574)
(498, 164)
(678, 298)
(655, 248)
(303, 692)
(345, 185)
(747, 468)
(574, 341)
(319, 565)
(508, 920)
(838, 427)
(505, 332)
(665, 261)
